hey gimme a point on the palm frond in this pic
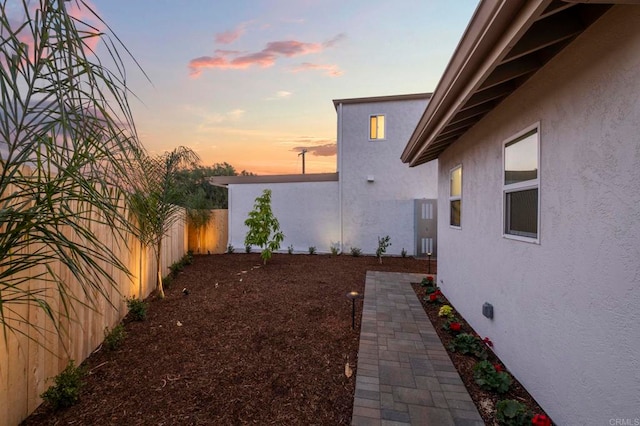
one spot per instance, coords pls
(66, 142)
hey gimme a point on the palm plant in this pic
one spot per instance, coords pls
(66, 134)
(198, 212)
(156, 202)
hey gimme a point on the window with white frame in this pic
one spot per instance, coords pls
(376, 127)
(521, 185)
(455, 196)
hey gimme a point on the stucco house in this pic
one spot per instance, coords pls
(536, 128)
(372, 195)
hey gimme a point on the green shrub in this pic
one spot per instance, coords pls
(467, 344)
(290, 249)
(114, 338)
(431, 289)
(66, 388)
(230, 249)
(403, 253)
(487, 377)
(312, 250)
(510, 412)
(434, 295)
(383, 243)
(247, 249)
(427, 282)
(335, 249)
(355, 252)
(176, 267)
(457, 326)
(187, 259)
(137, 309)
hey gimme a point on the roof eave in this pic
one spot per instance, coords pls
(493, 30)
(389, 98)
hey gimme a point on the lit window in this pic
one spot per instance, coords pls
(455, 196)
(376, 127)
(520, 186)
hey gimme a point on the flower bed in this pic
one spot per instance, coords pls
(499, 397)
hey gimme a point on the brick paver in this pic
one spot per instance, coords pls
(404, 375)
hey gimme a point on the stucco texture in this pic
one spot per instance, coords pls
(307, 213)
(567, 310)
(384, 206)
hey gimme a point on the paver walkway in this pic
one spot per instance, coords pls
(404, 375)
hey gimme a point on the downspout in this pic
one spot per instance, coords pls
(340, 177)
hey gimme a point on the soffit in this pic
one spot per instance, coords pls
(519, 38)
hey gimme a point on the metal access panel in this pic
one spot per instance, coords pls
(426, 227)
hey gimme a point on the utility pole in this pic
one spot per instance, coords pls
(303, 152)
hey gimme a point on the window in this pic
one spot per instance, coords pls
(376, 127)
(455, 196)
(520, 186)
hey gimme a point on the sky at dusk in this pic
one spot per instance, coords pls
(251, 82)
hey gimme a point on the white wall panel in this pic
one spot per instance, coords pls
(566, 309)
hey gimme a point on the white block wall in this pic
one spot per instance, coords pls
(307, 213)
(567, 310)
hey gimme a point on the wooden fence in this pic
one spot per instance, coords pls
(29, 361)
(213, 237)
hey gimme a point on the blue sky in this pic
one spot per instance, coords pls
(250, 82)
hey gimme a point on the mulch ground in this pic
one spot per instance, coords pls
(485, 400)
(255, 345)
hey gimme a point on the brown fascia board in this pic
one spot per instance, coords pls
(390, 98)
(493, 30)
(239, 180)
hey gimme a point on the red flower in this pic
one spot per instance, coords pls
(429, 278)
(541, 420)
(437, 292)
(454, 326)
(433, 297)
(488, 342)
(498, 367)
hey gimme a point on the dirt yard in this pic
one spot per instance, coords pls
(249, 344)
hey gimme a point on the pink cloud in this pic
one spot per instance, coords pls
(87, 21)
(230, 59)
(330, 69)
(230, 36)
(84, 14)
(263, 59)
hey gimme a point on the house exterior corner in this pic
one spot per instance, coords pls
(565, 302)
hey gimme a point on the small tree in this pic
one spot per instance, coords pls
(383, 243)
(156, 203)
(264, 228)
(198, 213)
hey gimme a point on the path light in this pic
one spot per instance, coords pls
(429, 259)
(353, 295)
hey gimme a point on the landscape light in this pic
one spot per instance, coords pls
(353, 295)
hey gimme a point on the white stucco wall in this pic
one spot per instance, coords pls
(384, 206)
(567, 310)
(307, 213)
